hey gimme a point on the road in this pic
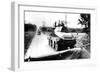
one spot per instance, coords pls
(39, 47)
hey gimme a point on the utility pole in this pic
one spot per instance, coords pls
(66, 20)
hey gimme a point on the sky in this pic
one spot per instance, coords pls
(39, 18)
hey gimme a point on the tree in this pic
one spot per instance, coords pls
(85, 20)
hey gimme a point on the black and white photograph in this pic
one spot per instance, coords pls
(52, 35)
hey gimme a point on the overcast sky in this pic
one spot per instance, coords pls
(49, 18)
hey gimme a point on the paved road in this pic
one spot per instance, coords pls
(39, 47)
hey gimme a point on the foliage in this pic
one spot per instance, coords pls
(85, 20)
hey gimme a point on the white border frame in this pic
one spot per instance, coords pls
(17, 60)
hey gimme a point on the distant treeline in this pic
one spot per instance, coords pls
(51, 29)
(75, 30)
(33, 27)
